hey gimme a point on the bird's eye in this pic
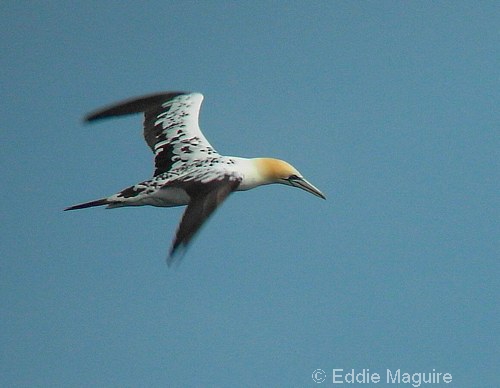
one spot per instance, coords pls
(293, 177)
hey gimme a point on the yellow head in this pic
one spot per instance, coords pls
(279, 171)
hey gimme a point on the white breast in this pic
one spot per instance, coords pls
(167, 197)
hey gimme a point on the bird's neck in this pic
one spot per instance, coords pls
(253, 173)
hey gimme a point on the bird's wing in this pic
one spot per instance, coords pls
(170, 127)
(206, 196)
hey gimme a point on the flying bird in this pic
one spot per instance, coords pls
(188, 170)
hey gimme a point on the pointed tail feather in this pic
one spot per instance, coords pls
(98, 202)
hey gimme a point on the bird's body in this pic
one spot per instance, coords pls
(188, 171)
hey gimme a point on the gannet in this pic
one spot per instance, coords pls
(188, 170)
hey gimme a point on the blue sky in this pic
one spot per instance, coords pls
(390, 108)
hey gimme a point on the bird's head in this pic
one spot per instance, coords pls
(279, 171)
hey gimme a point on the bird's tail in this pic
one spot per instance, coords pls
(99, 202)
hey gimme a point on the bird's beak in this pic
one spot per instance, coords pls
(305, 185)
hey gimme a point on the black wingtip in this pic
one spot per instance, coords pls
(176, 255)
(131, 106)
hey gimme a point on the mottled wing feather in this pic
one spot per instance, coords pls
(170, 127)
(205, 198)
(174, 129)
